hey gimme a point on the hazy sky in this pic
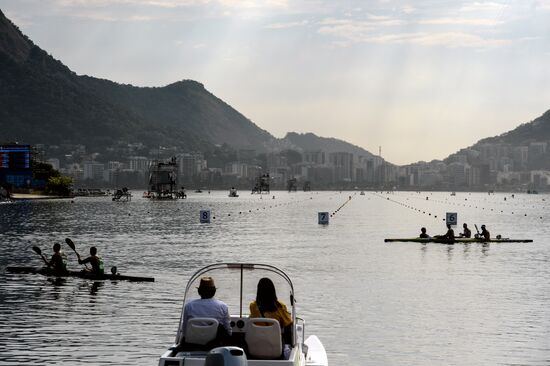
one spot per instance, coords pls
(420, 78)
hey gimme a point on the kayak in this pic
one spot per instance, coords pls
(458, 240)
(79, 274)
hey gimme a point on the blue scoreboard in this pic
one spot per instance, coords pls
(15, 157)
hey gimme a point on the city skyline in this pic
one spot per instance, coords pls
(422, 79)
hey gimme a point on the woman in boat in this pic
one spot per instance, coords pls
(268, 306)
(94, 260)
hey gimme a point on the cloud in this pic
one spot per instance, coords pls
(286, 25)
(153, 3)
(349, 32)
(489, 22)
(484, 7)
(408, 9)
(542, 4)
(253, 4)
(455, 40)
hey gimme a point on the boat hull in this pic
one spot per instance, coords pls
(86, 275)
(457, 240)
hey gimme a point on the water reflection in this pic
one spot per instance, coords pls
(485, 248)
(450, 249)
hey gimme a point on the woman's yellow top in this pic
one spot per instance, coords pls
(281, 314)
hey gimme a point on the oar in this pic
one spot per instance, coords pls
(72, 246)
(478, 234)
(39, 252)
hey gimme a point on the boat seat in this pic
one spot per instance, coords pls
(263, 338)
(201, 330)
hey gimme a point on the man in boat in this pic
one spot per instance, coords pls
(423, 234)
(208, 307)
(94, 260)
(467, 232)
(485, 234)
(449, 235)
(58, 262)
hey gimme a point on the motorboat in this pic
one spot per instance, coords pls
(254, 341)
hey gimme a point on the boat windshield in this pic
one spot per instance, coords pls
(236, 285)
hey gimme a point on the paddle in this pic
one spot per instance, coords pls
(39, 252)
(72, 246)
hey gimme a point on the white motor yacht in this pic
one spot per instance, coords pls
(254, 341)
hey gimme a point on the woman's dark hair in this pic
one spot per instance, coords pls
(266, 297)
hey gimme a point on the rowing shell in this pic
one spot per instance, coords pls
(458, 240)
(87, 275)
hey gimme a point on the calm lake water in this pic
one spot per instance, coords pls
(370, 302)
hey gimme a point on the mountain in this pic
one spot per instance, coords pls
(312, 142)
(533, 137)
(43, 101)
(537, 130)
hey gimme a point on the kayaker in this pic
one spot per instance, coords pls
(58, 262)
(449, 235)
(485, 234)
(423, 234)
(208, 307)
(94, 260)
(467, 232)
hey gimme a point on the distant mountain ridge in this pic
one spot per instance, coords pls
(538, 130)
(534, 131)
(43, 101)
(312, 142)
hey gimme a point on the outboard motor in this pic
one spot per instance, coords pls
(226, 356)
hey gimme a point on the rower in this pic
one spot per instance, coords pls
(423, 234)
(467, 232)
(58, 262)
(485, 234)
(94, 260)
(449, 235)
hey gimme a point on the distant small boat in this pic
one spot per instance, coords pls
(233, 192)
(362, 193)
(198, 191)
(122, 195)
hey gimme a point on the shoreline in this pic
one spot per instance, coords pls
(30, 196)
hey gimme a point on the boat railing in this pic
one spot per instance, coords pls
(300, 328)
(241, 267)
